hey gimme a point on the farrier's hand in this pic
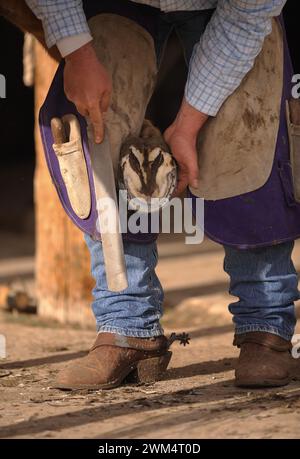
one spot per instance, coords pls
(88, 86)
(181, 137)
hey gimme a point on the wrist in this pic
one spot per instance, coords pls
(86, 51)
(189, 119)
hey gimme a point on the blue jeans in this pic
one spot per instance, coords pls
(264, 280)
(135, 311)
(266, 283)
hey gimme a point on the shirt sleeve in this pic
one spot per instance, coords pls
(62, 19)
(227, 50)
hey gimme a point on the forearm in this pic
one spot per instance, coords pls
(189, 120)
(64, 23)
(227, 50)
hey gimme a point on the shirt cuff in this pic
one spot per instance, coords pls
(63, 25)
(204, 99)
(68, 45)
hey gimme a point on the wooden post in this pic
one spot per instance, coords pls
(63, 276)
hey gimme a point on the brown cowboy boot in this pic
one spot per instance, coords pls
(264, 360)
(114, 357)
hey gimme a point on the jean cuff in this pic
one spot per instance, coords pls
(155, 331)
(285, 334)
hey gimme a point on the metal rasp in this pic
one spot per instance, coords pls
(108, 215)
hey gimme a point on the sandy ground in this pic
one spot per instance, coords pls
(196, 398)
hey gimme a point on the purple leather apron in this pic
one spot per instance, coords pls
(270, 214)
(57, 105)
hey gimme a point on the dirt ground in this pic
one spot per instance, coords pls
(196, 398)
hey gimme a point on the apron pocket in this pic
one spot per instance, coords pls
(285, 172)
(73, 168)
(293, 123)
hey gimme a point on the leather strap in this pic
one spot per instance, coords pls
(264, 339)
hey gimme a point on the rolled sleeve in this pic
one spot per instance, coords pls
(227, 50)
(70, 44)
(61, 18)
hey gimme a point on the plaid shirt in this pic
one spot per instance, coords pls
(223, 56)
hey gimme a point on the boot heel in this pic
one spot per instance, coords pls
(151, 370)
